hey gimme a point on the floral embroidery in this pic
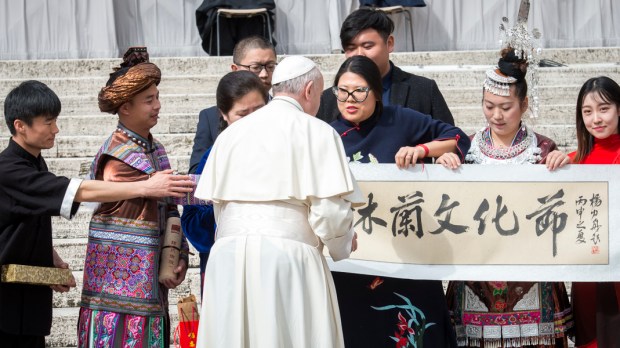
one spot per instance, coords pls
(357, 157)
(410, 332)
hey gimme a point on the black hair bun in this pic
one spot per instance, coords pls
(512, 65)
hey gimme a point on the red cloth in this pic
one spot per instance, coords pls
(604, 151)
(592, 312)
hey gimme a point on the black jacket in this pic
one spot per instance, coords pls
(206, 132)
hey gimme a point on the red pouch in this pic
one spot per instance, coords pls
(186, 332)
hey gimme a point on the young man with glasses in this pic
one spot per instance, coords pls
(368, 32)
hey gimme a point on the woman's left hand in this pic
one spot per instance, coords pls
(556, 159)
(408, 156)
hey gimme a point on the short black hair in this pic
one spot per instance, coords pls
(362, 19)
(29, 100)
(366, 69)
(250, 43)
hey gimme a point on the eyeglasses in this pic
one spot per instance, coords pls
(359, 94)
(257, 68)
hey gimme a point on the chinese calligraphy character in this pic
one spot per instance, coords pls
(446, 224)
(366, 217)
(580, 203)
(483, 208)
(549, 218)
(595, 202)
(403, 213)
(501, 211)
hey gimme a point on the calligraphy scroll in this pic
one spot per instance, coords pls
(508, 222)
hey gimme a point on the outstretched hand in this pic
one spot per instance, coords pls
(167, 184)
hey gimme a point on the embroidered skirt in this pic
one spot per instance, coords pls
(510, 314)
(99, 329)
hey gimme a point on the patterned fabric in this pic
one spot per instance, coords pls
(101, 329)
(122, 302)
(524, 149)
(509, 314)
(145, 155)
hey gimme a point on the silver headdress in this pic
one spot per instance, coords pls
(498, 84)
(526, 45)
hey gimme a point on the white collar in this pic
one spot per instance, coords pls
(289, 100)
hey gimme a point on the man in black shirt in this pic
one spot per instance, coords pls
(30, 195)
(368, 32)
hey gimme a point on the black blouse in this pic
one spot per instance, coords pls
(29, 196)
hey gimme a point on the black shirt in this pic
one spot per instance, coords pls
(29, 196)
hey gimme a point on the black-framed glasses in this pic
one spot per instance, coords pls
(359, 94)
(257, 68)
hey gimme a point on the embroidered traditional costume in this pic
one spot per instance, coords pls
(509, 314)
(123, 304)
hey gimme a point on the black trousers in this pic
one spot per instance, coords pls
(21, 341)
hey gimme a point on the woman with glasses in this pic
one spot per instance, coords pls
(372, 132)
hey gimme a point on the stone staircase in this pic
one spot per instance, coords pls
(188, 85)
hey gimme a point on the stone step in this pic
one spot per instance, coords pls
(73, 252)
(176, 123)
(35, 69)
(445, 76)
(90, 86)
(70, 167)
(179, 144)
(78, 137)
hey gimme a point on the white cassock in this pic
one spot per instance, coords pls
(282, 189)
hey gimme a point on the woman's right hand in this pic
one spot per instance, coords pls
(449, 160)
(354, 242)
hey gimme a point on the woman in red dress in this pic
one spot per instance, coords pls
(596, 307)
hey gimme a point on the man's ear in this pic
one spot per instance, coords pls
(234, 67)
(308, 90)
(20, 126)
(390, 43)
(123, 109)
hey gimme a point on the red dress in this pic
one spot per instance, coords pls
(596, 306)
